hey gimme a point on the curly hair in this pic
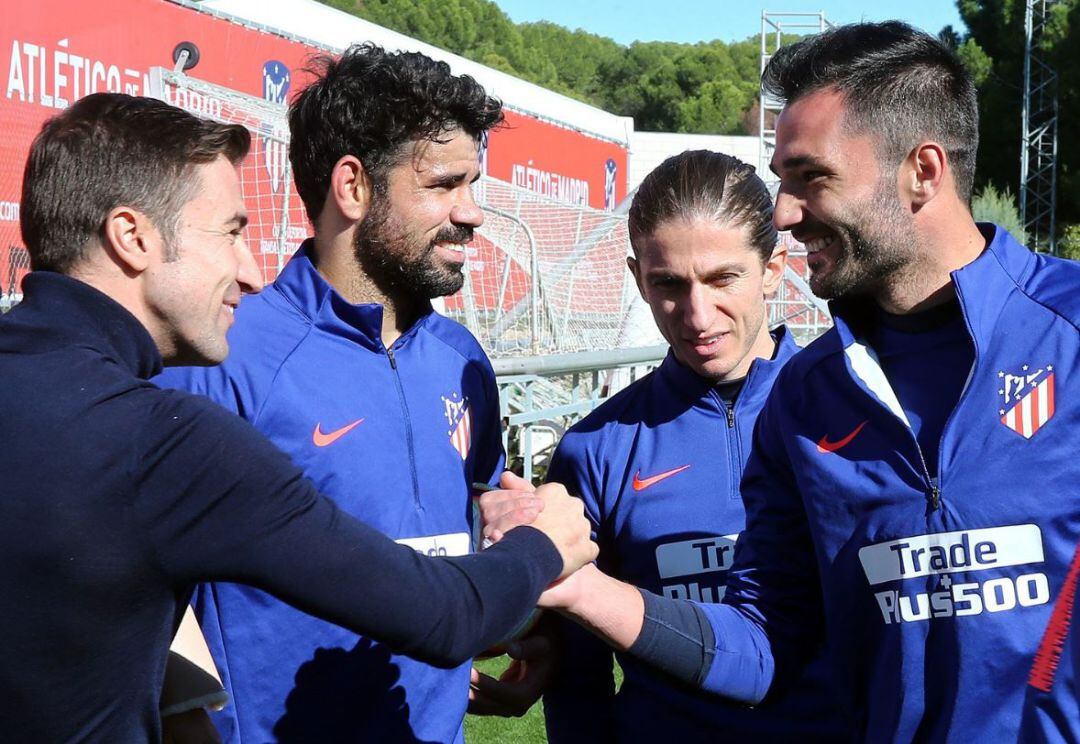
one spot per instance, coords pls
(702, 183)
(371, 103)
(898, 83)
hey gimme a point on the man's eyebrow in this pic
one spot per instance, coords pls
(800, 161)
(663, 274)
(450, 178)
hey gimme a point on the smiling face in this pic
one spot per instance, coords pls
(412, 242)
(837, 197)
(706, 286)
(197, 279)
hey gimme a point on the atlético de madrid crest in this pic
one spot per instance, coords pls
(1027, 399)
(459, 418)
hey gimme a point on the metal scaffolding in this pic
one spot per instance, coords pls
(1038, 139)
(773, 28)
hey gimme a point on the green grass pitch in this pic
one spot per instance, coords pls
(529, 729)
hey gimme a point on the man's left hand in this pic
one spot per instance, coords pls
(521, 685)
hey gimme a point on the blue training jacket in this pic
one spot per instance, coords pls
(658, 467)
(935, 587)
(395, 437)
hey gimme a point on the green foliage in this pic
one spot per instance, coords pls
(1069, 245)
(999, 207)
(707, 87)
(997, 29)
(976, 60)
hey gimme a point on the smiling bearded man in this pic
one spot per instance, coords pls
(389, 407)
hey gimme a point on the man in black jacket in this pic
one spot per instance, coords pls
(120, 496)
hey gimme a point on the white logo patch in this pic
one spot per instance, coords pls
(948, 552)
(450, 544)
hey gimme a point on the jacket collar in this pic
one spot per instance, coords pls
(692, 387)
(994, 273)
(305, 289)
(58, 311)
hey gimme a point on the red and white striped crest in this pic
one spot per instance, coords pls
(1029, 400)
(461, 438)
(459, 417)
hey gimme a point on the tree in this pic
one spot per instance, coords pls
(999, 207)
(994, 51)
(1069, 245)
(705, 87)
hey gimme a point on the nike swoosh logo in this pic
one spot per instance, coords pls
(824, 446)
(640, 484)
(325, 440)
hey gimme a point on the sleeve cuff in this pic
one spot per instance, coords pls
(542, 551)
(675, 638)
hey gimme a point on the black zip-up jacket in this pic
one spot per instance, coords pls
(116, 497)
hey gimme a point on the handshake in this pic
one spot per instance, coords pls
(548, 508)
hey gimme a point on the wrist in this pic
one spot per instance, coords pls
(607, 607)
(580, 586)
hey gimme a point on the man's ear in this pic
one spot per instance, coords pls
(635, 269)
(350, 189)
(774, 270)
(925, 169)
(132, 239)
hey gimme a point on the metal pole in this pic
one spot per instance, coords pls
(1025, 112)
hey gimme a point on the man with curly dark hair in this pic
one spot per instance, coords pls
(390, 408)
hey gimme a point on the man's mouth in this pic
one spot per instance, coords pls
(230, 304)
(707, 346)
(816, 245)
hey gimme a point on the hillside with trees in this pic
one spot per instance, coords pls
(665, 86)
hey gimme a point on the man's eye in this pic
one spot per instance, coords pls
(811, 176)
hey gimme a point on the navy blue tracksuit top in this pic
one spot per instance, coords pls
(118, 497)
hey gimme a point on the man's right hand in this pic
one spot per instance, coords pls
(563, 520)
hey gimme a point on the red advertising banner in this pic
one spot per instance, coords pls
(557, 162)
(52, 52)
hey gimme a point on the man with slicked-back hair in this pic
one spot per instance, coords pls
(658, 467)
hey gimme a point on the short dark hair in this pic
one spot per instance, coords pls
(108, 150)
(702, 183)
(370, 103)
(899, 84)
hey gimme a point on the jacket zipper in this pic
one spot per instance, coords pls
(932, 483)
(734, 450)
(408, 430)
(933, 489)
(963, 391)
